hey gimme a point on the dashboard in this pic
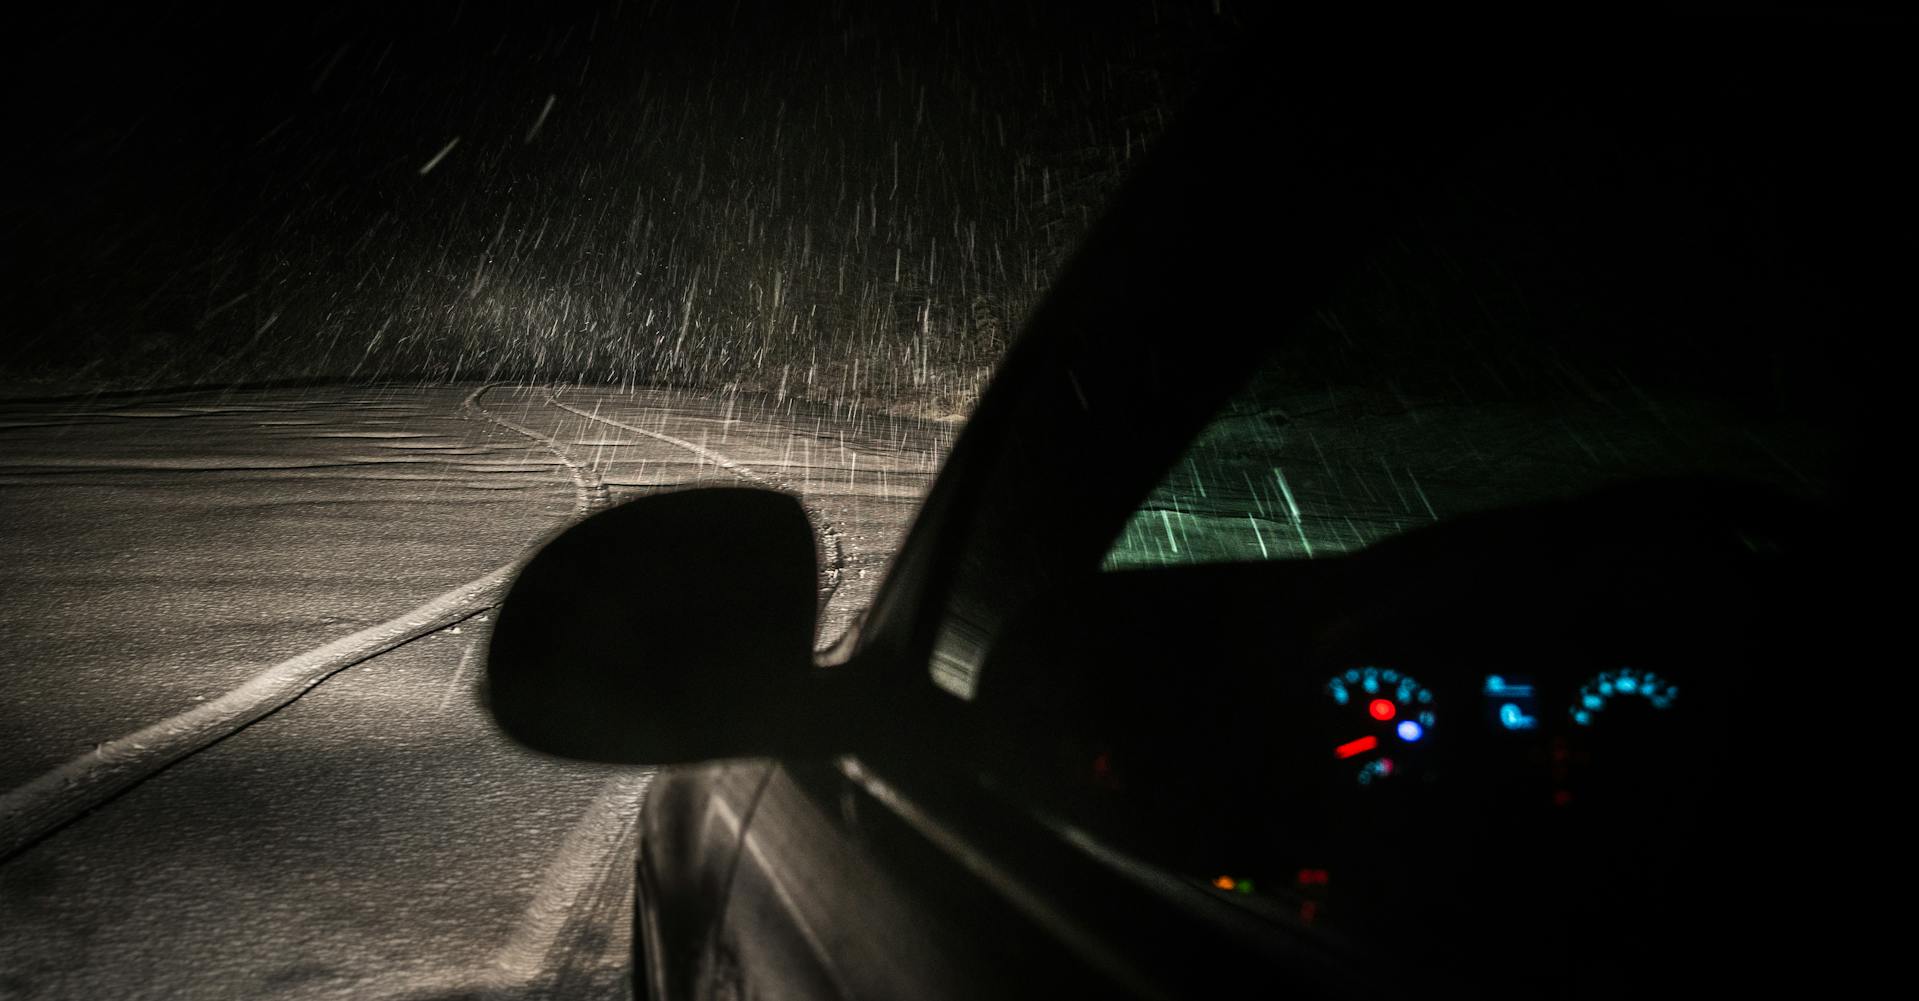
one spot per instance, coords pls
(1543, 806)
(1517, 754)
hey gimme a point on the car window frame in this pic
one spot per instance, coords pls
(1092, 352)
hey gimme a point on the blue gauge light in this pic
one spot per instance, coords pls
(1500, 685)
(1410, 731)
(1599, 691)
(1510, 702)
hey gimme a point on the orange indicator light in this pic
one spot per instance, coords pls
(1360, 746)
(1224, 882)
(1381, 709)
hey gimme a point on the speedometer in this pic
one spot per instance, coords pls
(1382, 717)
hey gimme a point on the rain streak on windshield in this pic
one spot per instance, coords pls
(1569, 317)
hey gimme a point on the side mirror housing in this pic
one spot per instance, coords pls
(678, 627)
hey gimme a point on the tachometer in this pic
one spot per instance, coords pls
(1383, 716)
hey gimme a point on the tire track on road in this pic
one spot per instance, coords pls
(591, 490)
(832, 552)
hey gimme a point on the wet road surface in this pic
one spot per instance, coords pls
(171, 825)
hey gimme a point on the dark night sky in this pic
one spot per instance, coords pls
(189, 172)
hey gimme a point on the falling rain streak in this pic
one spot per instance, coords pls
(427, 168)
(856, 204)
(545, 110)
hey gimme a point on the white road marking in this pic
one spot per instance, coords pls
(68, 790)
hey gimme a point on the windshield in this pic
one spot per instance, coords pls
(1569, 316)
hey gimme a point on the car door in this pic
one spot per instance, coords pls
(846, 890)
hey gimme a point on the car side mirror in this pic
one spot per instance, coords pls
(678, 627)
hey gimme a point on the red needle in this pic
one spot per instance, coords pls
(1360, 746)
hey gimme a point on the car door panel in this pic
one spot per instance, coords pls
(836, 896)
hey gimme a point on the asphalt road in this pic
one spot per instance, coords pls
(240, 639)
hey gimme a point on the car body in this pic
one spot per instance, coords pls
(1039, 769)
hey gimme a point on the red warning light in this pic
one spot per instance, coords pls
(1382, 709)
(1360, 746)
